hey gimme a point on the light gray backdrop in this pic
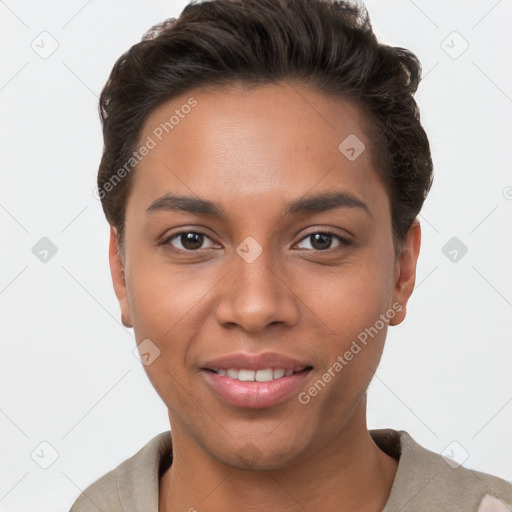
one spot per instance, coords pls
(75, 401)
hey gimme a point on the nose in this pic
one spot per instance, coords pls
(257, 294)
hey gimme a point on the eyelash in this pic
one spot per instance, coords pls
(343, 241)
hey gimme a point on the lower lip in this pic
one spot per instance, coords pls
(255, 395)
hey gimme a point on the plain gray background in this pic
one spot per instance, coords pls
(68, 376)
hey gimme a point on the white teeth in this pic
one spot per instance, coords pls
(246, 375)
(265, 375)
(279, 373)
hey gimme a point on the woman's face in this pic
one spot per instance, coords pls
(260, 271)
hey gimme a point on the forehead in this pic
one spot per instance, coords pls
(268, 142)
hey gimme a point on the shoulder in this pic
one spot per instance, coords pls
(133, 481)
(428, 481)
(100, 495)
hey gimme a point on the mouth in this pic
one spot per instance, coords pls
(255, 381)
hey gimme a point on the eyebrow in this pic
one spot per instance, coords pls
(324, 201)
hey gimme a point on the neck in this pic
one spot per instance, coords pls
(349, 472)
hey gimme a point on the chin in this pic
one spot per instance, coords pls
(261, 456)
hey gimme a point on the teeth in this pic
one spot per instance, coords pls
(232, 374)
(279, 373)
(246, 375)
(265, 375)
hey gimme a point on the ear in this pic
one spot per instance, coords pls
(118, 277)
(405, 271)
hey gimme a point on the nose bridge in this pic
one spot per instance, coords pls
(254, 294)
(254, 268)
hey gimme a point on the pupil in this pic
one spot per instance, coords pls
(322, 237)
(192, 241)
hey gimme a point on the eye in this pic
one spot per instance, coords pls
(190, 241)
(322, 240)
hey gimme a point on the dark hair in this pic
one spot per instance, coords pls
(327, 44)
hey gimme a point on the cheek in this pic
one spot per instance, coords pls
(159, 312)
(168, 304)
(354, 306)
(163, 299)
(351, 297)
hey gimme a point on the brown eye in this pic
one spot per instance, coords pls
(322, 240)
(189, 240)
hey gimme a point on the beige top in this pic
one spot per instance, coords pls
(424, 482)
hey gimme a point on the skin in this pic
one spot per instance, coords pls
(252, 150)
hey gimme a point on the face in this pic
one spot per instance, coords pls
(258, 267)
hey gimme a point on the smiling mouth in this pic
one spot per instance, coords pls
(262, 375)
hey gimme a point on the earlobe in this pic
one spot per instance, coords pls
(118, 277)
(405, 275)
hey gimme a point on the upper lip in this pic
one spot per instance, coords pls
(245, 361)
